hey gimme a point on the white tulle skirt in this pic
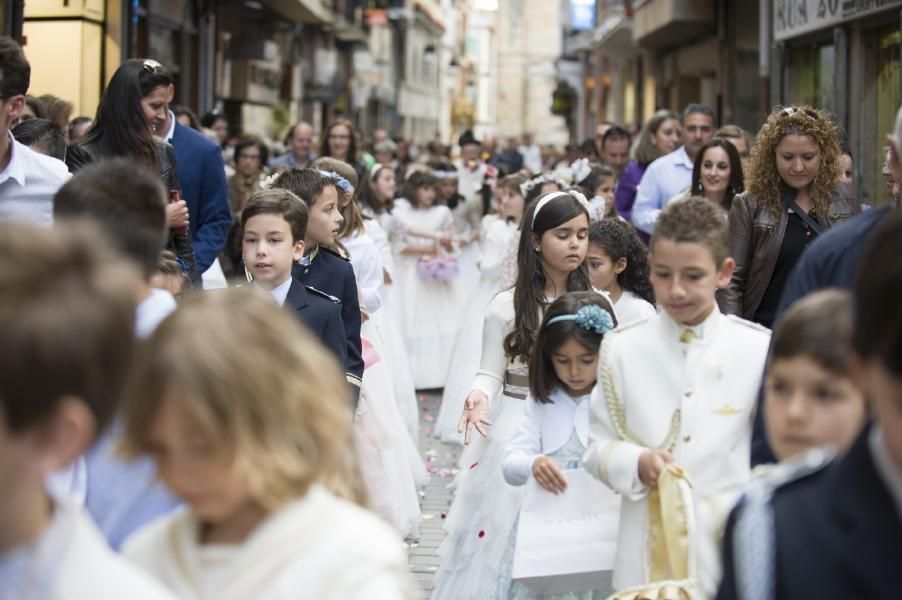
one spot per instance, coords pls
(483, 513)
(391, 466)
(389, 324)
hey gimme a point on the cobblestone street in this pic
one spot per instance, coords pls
(435, 499)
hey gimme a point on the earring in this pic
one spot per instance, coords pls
(538, 249)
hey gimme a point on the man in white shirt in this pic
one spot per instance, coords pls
(672, 173)
(28, 180)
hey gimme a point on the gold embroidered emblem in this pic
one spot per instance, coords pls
(726, 411)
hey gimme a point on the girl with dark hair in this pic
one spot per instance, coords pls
(131, 111)
(618, 265)
(554, 239)
(431, 297)
(717, 173)
(552, 436)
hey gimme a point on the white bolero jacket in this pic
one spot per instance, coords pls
(543, 430)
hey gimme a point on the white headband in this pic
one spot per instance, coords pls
(548, 198)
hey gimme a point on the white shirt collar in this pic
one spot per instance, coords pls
(700, 331)
(280, 292)
(682, 158)
(16, 168)
(171, 132)
(886, 469)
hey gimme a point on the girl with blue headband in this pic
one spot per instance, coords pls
(553, 432)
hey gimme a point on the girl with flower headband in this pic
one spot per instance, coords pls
(550, 260)
(553, 433)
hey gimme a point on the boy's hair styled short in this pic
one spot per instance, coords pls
(256, 384)
(67, 313)
(127, 200)
(278, 201)
(306, 184)
(877, 334)
(819, 327)
(695, 220)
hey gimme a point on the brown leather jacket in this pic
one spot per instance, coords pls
(756, 235)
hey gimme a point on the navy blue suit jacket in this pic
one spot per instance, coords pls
(333, 274)
(204, 189)
(321, 316)
(837, 534)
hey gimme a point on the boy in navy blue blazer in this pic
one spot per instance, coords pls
(322, 267)
(273, 225)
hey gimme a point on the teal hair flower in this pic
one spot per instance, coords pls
(590, 317)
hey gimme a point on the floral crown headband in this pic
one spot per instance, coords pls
(528, 186)
(549, 197)
(339, 181)
(581, 169)
(590, 317)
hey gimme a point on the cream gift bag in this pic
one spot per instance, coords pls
(566, 542)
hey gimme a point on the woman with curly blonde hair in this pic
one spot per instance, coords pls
(793, 194)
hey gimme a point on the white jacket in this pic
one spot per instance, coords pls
(696, 398)
(543, 430)
(72, 561)
(317, 547)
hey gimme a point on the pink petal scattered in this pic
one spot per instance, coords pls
(474, 465)
(481, 533)
(444, 515)
(428, 418)
(444, 473)
(431, 468)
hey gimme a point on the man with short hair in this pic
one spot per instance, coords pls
(615, 149)
(28, 180)
(300, 148)
(672, 173)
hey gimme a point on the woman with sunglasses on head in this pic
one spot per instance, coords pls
(130, 114)
(793, 194)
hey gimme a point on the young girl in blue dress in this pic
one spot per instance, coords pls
(553, 432)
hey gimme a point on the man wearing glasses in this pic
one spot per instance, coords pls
(28, 180)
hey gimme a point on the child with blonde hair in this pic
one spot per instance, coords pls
(247, 421)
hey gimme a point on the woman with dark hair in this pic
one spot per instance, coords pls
(793, 195)
(217, 122)
(131, 111)
(186, 117)
(554, 240)
(659, 136)
(717, 173)
(340, 141)
(251, 155)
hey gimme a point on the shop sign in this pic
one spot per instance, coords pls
(793, 18)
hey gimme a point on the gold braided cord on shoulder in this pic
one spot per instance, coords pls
(618, 413)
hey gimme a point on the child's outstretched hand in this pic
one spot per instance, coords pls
(474, 416)
(651, 464)
(548, 475)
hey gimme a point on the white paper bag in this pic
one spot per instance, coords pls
(566, 543)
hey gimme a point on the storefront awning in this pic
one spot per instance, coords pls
(312, 12)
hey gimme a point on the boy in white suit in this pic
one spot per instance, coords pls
(679, 387)
(67, 311)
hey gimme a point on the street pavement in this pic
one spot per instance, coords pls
(435, 499)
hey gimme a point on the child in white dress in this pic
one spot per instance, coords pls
(553, 433)
(246, 418)
(431, 306)
(618, 264)
(553, 244)
(390, 463)
(374, 199)
(499, 235)
(678, 389)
